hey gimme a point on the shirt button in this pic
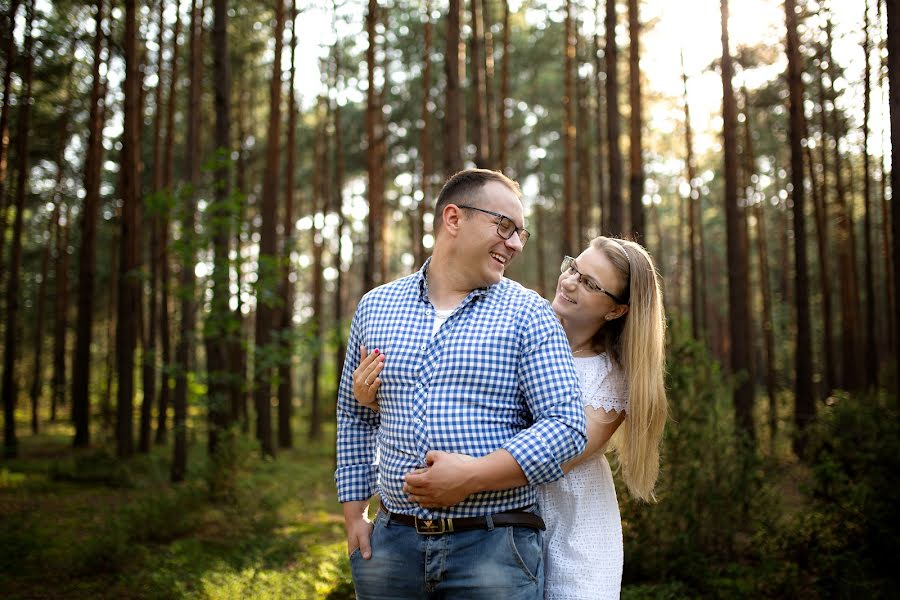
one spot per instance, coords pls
(419, 385)
(423, 346)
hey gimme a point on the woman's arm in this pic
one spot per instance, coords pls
(601, 425)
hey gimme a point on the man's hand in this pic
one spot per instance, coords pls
(358, 528)
(446, 481)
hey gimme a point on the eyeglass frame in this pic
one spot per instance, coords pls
(568, 264)
(517, 230)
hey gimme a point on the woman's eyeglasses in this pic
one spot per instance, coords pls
(568, 267)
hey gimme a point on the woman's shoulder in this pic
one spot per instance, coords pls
(603, 383)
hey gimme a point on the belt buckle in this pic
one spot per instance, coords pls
(433, 526)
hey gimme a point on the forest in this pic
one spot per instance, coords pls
(194, 195)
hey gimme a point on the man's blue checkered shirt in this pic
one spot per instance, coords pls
(498, 374)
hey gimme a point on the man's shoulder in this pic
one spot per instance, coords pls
(392, 290)
(518, 297)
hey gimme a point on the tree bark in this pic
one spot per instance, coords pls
(165, 335)
(503, 133)
(338, 194)
(616, 220)
(81, 361)
(373, 274)
(187, 280)
(871, 348)
(285, 367)
(804, 405)
(424, 144)
(698, 311)
(268, 251)
(10, 55)
(453, 141)
(635, 148)
(481, 138)
(10, 354)
(893, 46)
(316, 332)
(599, 109)
(568, 238)
(218, 327)
(738, 313)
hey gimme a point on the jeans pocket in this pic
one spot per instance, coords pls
(356, 552)
(525, 544)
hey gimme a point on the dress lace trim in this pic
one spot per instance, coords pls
(603, 383)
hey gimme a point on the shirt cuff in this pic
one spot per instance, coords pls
(355, 482)
(537, 460)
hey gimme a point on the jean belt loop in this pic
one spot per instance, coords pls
(489, 521)
(387, 515)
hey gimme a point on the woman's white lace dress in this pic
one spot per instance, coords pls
(583, 542)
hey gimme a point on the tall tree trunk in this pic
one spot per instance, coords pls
(268, 250)
(890, 306)
(804, 404)
(893, 46)
(318, 197)
(374, 132)
(503, 133)
(10, 387)
(10, 57)
(600, 142)
(338, 194)
(61, 311)
(738, 313)
(490, 110)
(635, 148)
(768, 346)
(568, 238)
(87, 268)
(187, 280)
(481, 139)
(871, 348)
(697, 309)
(852, 368)
(37, 379)
(165, 277)
(129, 258)
(218, 326)
(424, 143)
(285, 368)
(453, 141)
(584, 160)
(616, 220)
(238, 350)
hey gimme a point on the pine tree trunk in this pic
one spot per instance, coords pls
(165, 329)
(218, 324)
(10, 57)
(599, 141)
(374, 132)
(636, 160)
(871, 348)
(453, 141)
(285, 367)
(568, 239)
(187, 280)
(804, 404)
(893, 47)
(338, 194)
(81, 361)
(616, 221)
(490, 110)
(268, 251)
(424, 144)
(316, 330)
(738, 313)
(61, 312)
(481, 139)
(503, 133)
(10, 353)
(698, 310)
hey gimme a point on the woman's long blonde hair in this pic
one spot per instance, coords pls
(636, 341)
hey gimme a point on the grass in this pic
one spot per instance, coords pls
(82, 524)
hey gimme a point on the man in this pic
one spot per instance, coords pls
(473, 364)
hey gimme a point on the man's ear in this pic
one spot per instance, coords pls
(451, 218)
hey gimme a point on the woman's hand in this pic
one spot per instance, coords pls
(366, 380)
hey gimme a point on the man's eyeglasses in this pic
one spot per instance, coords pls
(505, 226)
(568, 267)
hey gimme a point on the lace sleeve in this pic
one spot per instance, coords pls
(609, 390)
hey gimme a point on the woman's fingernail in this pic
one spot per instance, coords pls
(377, 351)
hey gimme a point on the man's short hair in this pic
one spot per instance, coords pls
(465, 187)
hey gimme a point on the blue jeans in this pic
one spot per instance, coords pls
(502, 563)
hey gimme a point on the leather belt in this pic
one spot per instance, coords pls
(512, 518)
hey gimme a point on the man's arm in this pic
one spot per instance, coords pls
(547, 377)
(358, 527)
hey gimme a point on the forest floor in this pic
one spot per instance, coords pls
(82, 524)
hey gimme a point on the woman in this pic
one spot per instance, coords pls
(609, 303)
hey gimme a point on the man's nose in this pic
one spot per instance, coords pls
(515, 242)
